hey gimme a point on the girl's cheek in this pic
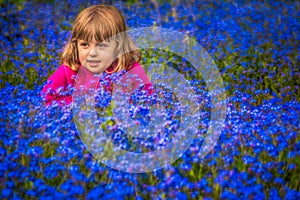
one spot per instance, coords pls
(84, 55)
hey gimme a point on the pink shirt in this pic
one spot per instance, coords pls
(60, 84)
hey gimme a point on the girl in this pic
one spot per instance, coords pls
(96, 49)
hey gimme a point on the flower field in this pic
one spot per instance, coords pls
(255, 46)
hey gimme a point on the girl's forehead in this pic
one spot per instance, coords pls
(96, 41)
(96, 34)
(98, 38)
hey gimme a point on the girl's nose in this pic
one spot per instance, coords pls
(93, 52)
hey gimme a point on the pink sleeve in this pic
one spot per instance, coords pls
(138, 78)
(58, 86)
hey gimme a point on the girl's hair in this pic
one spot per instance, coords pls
(101, 22)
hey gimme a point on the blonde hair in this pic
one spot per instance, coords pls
(101, 22)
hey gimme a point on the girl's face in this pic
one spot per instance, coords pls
(96, 57)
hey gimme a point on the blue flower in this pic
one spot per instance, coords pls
(6, 192)
(96, 193)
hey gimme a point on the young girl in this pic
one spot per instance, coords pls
(96, 49)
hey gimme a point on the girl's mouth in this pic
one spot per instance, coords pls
(93, 63)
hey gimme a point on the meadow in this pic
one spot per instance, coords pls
(255, 46)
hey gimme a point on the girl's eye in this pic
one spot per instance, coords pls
(84, 44)
(102, 45)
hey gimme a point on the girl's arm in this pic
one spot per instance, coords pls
(58, 86)
(139, 78)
